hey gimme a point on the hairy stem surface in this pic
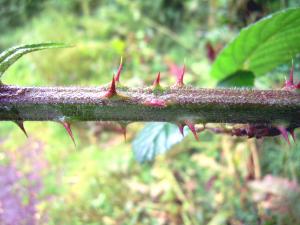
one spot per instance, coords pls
(179, 104)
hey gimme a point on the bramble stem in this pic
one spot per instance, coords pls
(197, 105)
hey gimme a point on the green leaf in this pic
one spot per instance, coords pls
(261, 46)
(156, 138)
(8, 57)
(238, 79)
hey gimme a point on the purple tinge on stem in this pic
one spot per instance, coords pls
(20, 124)
(156, 82)
(112, 89)
(67, 126)
(284, 133)
(156, 103)
(117, 77)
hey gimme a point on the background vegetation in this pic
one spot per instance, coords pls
(219, 180)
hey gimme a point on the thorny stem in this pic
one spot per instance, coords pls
(180, 104)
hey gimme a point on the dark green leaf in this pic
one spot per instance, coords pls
(238, 79)
(8, 57)
(262, 46)
(156, 138)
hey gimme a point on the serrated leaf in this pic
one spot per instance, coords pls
(238, 79)
(156, 138)
(261, 46)
(11, 55)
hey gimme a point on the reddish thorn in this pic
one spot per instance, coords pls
(117, 77)
(284, 133)
(293, 134)
(156, 103)
(210, 52)
(21, 126)
(191, 126)
(67, 126)
(157, 81)
(298, 86)
(112, 90)
(291, 80)
(210, 183)
(181, 127)
(180, 75)
(289, 84)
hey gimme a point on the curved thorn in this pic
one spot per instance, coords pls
(191, 126)
(112, 89)
(293, 135)
(20, 124)
(117, 77)
(67, 126)
(284, 133)
(181, 128)
(156, 82)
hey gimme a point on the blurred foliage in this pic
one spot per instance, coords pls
(16, 12)
(261, 46)
(99, 182)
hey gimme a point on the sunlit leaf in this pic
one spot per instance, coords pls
(155, 138)
(10, 56)
(261, 46)
(238, 79)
